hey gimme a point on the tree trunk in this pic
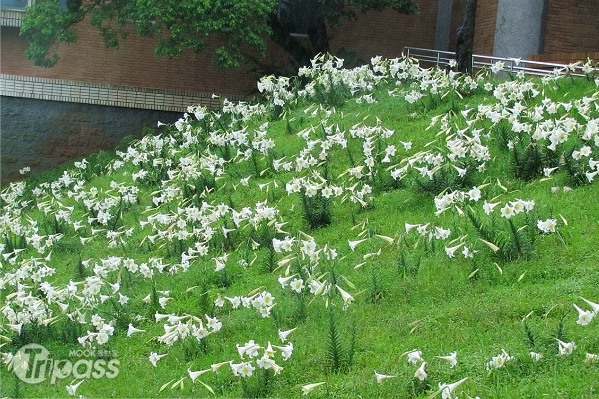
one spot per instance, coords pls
(319, 38)
(465, 38)
(304, 18)
(300, 55)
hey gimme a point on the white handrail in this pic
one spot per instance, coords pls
(437, 57)
(443, 58)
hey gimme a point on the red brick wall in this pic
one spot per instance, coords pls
(484, 30)
(565, 58)
(387, 33)
(573, 27)
(135, 64)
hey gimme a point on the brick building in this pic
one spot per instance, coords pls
(135, 63)
(91, 80)
(565, 27)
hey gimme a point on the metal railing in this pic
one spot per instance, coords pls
(437, 58)
(536, 68)
(442, 59)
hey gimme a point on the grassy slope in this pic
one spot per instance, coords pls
(438, 306)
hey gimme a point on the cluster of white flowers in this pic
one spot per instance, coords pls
(277, 89)
(309, 250)
(181, 167)
(251, 358)
(499, 361)
(266, 361)
(180, 327)
(327, 74)
(585, 317)
(242, 111)
(101, 336)
(548, 225)
(515, 207)
(429, 230)
(414, 357)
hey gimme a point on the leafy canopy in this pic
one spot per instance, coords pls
(241, 26)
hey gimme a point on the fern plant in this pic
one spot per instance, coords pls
(574, 169)
(530, 337)
(447, 178)
(317, 210)
(339, 357)
(486, 232)
(560, 330)
(519, 245)
(257, 387)
(513, 245)
(544, 343)
(376, 291)
(527, 162)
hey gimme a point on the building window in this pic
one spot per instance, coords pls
(11, 12)
(15, 4)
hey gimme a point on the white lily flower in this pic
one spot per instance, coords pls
(451, 358)
(593, 305)
(306, 389)
(283, 334)
(415, 356)
(132, 330)
(354, 244)
(195, 374)
(420, 373)
(347, 298)
(584, 316)
(446, 389)
(72, 388)
(565, 348)
(450, 251)
(380, 377)
(154, 357)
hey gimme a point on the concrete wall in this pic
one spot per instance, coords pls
(444, 24)
(519, 28)
(44, 134)
(457, 18)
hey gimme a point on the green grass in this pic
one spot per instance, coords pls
(406, 292)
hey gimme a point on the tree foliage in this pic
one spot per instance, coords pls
(240, 26)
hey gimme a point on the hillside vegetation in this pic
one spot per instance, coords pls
(381, 231)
